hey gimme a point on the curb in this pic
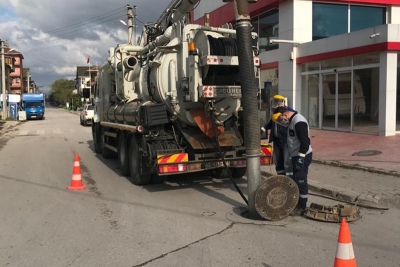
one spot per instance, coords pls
(8, 127)
(341, 194)
(356, 167)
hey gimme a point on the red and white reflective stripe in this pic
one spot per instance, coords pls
(76, 164)
(345, 251)
(76, 177)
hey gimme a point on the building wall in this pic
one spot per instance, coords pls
(16, 87)
(295, 24)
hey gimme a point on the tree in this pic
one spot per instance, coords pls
(61, 91)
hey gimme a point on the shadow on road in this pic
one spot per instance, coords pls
(200, 182)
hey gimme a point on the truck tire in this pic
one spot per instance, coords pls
(123, 154)
(157, 179)
(238, 172)
(96, 138)
(136, 165)
(106, 153)
(219, 173)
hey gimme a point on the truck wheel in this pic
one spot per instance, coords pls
(81, 121)
(123, 155)
(96, 138)
(219, 173)
(157, 179)
(106, 153)
(136, 165)
(238, 172)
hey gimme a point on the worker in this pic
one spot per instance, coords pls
(278, 137)
(300, 151)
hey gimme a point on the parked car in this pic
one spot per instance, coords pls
(86, 116)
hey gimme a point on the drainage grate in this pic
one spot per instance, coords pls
(367, 153)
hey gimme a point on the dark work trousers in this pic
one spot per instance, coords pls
(282, 160)
(300, 177)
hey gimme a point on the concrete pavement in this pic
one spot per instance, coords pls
(376, 154)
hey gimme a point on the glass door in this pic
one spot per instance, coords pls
(344, 101)
(337, 101)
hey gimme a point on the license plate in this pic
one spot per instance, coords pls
(33, 116)
(209, 165)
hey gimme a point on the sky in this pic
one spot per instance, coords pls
(56, 36)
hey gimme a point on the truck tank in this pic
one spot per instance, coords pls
(173, 94)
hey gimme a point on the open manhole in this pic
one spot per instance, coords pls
(366, 153)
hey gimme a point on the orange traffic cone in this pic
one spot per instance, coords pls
(76, 181)
(344, 252)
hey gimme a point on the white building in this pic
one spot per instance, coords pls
(340, 66)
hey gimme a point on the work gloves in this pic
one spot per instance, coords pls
(298, 162)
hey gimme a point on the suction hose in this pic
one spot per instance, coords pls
(249, 101)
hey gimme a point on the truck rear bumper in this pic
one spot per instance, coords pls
(196, 166)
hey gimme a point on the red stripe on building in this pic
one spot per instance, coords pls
(387, 46)
(270, 65)
(226, 12)
(369, 2)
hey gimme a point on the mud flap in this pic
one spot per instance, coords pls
(333, 213)
(276, 197)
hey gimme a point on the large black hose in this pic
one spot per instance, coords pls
(249, 89)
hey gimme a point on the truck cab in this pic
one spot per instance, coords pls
(33, 105)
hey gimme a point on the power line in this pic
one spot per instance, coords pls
(80, 24)
(84, 22)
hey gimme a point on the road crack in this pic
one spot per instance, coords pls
(186, 246)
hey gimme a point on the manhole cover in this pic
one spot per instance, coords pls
(366, 153)
(276, 197)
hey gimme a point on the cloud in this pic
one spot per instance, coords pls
(56, 36)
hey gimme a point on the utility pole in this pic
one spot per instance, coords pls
(3, 81)
(28, 75)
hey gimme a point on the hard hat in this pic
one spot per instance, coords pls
(276, 116)
(279, 97)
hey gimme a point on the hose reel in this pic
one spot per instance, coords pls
(222, 47)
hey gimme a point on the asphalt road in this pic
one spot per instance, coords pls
(189, 221)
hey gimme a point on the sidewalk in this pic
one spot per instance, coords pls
(368, 152)
(5, 125)
(371, 153)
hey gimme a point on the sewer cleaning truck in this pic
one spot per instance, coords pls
(34, 105)
(170, 102)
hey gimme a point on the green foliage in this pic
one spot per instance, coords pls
(61, 92)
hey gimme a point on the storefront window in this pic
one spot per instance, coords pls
(334, 19)
(366, 59)
(310, 66)
(269, 87)
(329, 20)
(376, 16)
(267, 27)
(366, 100)
(350, 100)
(310, 98)
(336, 63)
